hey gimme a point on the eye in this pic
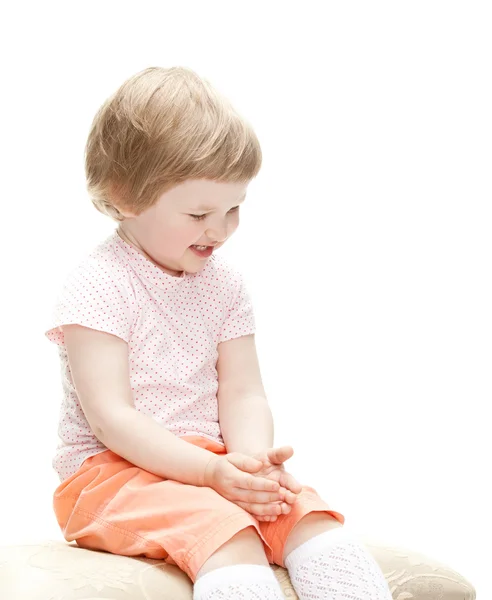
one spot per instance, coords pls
(202, 217)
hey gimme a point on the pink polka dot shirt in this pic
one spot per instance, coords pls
(172, 326)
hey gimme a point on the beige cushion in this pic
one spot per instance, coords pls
(59, 571)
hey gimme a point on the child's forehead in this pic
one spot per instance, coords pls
(207, 207)
(207, 195)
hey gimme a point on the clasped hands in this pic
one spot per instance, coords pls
(258, 483)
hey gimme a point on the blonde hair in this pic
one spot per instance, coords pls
(160, 128)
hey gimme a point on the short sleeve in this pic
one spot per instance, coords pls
(240, 318)
(94, 297)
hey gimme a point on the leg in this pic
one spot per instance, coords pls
(239, 569)
(323, 559)
(312, 524)
(244, 548)
(186, 525)
(309, 516)
(326, 561)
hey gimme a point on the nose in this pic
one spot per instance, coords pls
(219, 233)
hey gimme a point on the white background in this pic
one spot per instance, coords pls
(365, 240)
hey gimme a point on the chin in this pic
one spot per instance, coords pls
(197, 268)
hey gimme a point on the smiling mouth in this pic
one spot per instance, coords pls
(202, 252)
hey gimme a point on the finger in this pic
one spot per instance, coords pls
(253, 496)
(287, 495)
(267, 519)
(261, 510)
(260, 484)
(285, 508)
(289, 482)
(244, 462)
(279, 455)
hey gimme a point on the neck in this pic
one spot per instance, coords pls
(134, 244)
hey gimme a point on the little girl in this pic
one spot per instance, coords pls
(166, 437)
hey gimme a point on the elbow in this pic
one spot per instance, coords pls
(108, 427)
(102, 431)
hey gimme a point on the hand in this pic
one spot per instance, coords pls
(273, 469)
(230, 475)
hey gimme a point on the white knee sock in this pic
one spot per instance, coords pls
(335, 566)
(238, 582)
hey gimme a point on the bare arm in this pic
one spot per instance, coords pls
(245, 418)
(99, 366)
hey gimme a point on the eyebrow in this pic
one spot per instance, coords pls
(204, 208)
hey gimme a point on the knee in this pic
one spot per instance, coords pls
(245, 547)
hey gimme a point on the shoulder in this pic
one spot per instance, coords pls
(102, 269)
(97, 294)
(100, 282)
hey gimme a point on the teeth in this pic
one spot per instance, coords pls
(201, 247)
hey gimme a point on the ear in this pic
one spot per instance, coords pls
(126, 213)
(115, 201)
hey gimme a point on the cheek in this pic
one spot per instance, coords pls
(234, 223)
(166, 241)
(189, 233)
(178, 239)
(184, 236)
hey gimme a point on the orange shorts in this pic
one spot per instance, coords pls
(110, 504)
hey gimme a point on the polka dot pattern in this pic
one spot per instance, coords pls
(172, 325)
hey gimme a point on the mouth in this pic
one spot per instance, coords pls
(202, 251)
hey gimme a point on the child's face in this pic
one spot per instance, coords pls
(165, 231)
